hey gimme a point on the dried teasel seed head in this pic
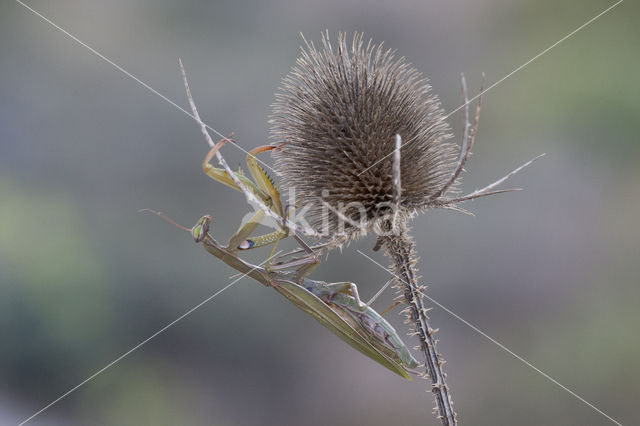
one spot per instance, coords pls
(337, 114)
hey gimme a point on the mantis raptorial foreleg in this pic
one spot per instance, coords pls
(261, 186)
(237, 241)
(222, 176)
(263, 180)
(264, 188)
(266, 184)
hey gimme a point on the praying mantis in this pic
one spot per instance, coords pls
(337, 306)
(334, 305)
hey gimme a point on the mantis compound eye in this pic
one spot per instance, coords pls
(201, 228)
(246, 245)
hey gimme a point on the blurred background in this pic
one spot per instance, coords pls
(551, 272)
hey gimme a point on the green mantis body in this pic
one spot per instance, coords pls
(353, 311)
(330, 304)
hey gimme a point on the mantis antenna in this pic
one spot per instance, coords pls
(165, 218)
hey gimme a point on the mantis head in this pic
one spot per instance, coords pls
(201, 228)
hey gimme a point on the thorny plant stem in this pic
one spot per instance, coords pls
(399, 247)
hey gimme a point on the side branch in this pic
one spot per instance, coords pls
(468, 135)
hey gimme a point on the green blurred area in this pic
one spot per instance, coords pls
(550, 272)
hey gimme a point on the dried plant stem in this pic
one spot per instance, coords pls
(399, 247)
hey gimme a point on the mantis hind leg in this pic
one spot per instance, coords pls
(393, 305)
(305, 265)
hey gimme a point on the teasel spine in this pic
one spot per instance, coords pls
(399, 248)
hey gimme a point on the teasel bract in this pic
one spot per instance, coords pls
(364, 146)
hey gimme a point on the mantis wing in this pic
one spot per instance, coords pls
(394, 347)
(315, 307)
